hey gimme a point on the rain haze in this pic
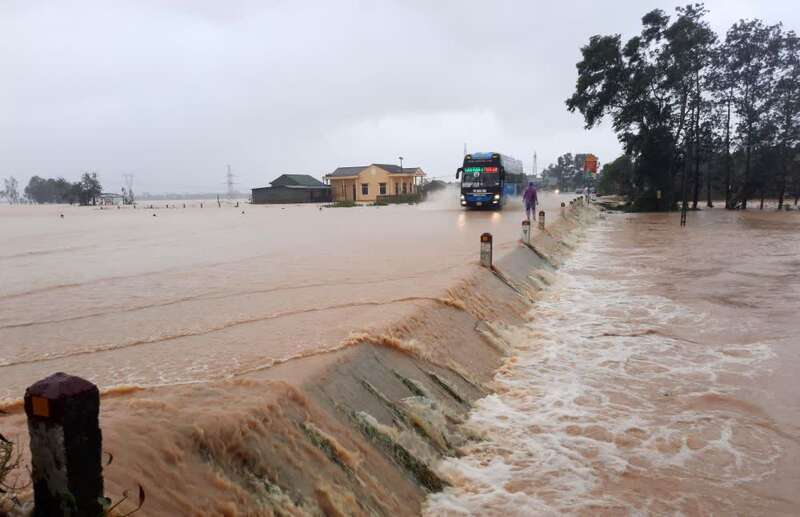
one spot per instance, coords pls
(359, 339)
(174, 91)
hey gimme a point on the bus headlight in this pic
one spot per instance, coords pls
(462, 197)
(497, 197)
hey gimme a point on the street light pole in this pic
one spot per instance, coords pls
(401, 164)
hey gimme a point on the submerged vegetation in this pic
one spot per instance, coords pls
(10, 461)
(696, 112)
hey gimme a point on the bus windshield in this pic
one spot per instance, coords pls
(480, 177)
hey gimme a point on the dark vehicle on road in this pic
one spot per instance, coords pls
(488, 179)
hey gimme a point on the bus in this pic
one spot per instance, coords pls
(488, 179)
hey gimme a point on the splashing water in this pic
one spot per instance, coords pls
(626, 393)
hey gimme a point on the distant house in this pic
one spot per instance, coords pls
(110, 198)
(293, 188)
(367, 182)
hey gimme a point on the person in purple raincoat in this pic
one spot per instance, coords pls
(530, 199)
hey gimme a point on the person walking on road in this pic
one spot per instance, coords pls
(531, 199)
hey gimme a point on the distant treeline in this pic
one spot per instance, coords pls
(567, 173)
(84, 192)
(696, 112)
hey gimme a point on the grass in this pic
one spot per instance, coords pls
(342, 204)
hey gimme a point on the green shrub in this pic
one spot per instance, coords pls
(342, 204)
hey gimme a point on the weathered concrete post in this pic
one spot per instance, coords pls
(541, 219)
(486, 250)
(66, 446)
(563, 209)
(526, 231)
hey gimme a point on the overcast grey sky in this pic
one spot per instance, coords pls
(172, 91)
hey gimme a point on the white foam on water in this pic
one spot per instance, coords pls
(611, 402)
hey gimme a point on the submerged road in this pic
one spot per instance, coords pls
(122, 297)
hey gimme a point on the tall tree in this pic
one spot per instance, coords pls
(90, 188)
(787, 111)
(722, 82)
(647, 87)
(752, 48)
(10, 190)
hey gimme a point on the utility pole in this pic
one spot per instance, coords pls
(465, 149)
(535, 168)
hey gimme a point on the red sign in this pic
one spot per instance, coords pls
(590, 164)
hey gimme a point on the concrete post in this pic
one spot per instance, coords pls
(486, 250)
(526, 231)
(66, 446)
(563, 209)
(541, 220)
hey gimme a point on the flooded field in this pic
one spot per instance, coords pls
(653, 372)
(177, 295)
(658, 375)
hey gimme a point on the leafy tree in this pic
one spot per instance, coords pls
(90, 188)
(617, 177)
(751, 48)
(647, 87)
(567, 172)
(787, 111)
(86, 191)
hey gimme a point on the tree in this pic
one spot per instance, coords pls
(85, 192)
(787, 110)
(646, 87)
(90, 188)
(751, 49)
(617, 177)
(10, 190)
(567, 173)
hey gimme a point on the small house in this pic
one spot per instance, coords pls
(369, 182)
(292, 188)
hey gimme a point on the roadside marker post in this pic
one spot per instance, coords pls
(526, 231)
(541, 220)
(486, 250)
(66, 446)
(563, 209)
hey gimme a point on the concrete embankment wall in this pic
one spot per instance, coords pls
(354, 431)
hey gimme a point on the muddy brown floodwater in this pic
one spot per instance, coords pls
(658, 375)
(263, 360)
(196, 294)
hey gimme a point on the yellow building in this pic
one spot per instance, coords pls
(365, 184)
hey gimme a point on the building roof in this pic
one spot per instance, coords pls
(355, 171)
(296, 180)
(321, 186)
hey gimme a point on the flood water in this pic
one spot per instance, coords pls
(182, 294)
(658, 375)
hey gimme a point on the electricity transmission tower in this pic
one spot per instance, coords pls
(229, 181)
(127, 180)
